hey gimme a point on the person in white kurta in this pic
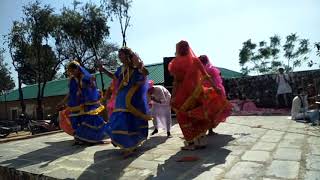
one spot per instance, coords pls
(284, 88)
(161, 109)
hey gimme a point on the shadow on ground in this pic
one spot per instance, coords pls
(210, 157)
(44, 156)
(110, 164)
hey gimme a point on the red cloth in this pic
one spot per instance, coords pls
(65, 123)
(198, 106)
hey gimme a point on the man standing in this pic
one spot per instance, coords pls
(161, 111)
(284, 89)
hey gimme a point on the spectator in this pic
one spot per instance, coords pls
(299, 110)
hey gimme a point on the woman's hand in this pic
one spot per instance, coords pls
(60, 106)
(218, 90)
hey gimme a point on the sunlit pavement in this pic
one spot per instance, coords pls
(254, 147)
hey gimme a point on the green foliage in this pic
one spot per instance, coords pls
(82, 34)
(295, 50)
(263, 58)
(7, 82)
(120, 9)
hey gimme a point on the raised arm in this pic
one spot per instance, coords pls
(63, 102)
(105, 71)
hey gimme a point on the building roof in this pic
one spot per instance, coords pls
(60, 87)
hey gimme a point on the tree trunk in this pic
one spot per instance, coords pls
(39, 99)
(22, 104)
(39, 103)
(6, 105)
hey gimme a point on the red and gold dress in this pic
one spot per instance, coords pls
(197, 105)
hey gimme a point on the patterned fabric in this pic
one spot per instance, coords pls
(83, 110)
(198, 106)
(128, 124)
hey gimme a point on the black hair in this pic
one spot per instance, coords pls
(72, 66)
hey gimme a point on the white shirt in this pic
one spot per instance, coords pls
(160, 93)
(297, 107)
(283, 85)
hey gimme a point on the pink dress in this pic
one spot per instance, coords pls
(216, 77)
(112, 100)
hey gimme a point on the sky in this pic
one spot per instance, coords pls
(216, 28)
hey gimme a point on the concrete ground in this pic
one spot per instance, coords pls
(253, 147)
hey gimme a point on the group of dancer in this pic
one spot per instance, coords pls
(198, 99)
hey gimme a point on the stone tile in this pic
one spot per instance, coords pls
(143, 164)
(38, 168)
(264, 146)
(136, 174)
(246, 170)
(150, 157)
(163, 158)
(294, 136)
(17, 163)
(76, 164)
(163, 151)
(213, 173)
(313, 162)
(229, 162)
(312, 175)
(292, 143)
(259, 156)
(244, 141)
(315, 149)
(269, 138)
(299, 125)
(314, 140)
(288, 154)
(283, 169)
(274, 133)
(236, 150)
(63, 173)
(297, 130)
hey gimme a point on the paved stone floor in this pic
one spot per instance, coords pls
(254, 147)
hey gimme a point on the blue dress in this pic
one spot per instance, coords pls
(85, 108)
(128, 124)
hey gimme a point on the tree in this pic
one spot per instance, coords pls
(18, 50)
(263, 58)
(120, 9)
(317, 45)
(295, 53)
(275, 50)
(246, 55)
(39, 25)
(83, 32)
(83, 36)
(7, 82)
(108, 56)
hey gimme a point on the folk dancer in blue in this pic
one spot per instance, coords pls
(128, 124)
(83, 107)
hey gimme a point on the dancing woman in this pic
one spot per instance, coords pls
(128, 124)
(82, 116)
(215, 74)
(195, 104)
